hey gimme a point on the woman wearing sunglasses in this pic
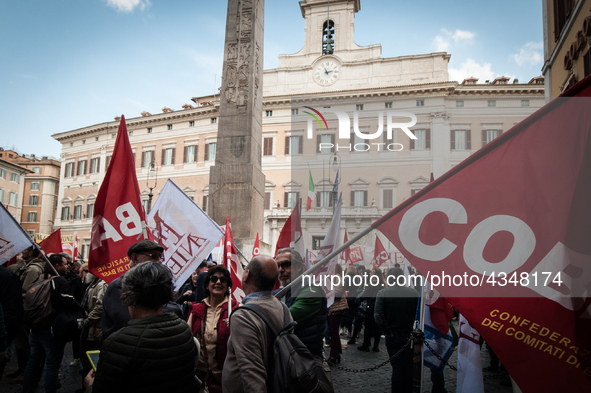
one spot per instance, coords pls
(210, 325)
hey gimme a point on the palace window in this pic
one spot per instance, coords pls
(34, 200)
(81, 168)
(12, 198)
(65, 213)
(95, 165)
(35, 186)
(168, 156)
(32, 217)
(89, 210)
(489, 135)
(268, 146)
(290, 199)
(69, 170)
(77, 212)
(210, 149)
(190, 154)
(147, 158)
(423, 140)
(460, 140)
(359, 198)
(294, 144)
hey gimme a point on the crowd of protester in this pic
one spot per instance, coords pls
(154, 339)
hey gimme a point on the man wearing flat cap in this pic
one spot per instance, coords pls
(115, 313)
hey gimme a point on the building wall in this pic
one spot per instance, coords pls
(9, 187)
(416, 84)
(557, 48)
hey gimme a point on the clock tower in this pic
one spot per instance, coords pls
(330, 60)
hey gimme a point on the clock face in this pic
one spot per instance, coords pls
(326, 72)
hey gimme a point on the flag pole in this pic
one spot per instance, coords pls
(33, 243)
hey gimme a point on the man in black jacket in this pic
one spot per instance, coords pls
(115, 313)
(12, 305)
(42, 339)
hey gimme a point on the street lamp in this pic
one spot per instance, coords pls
(152, 174)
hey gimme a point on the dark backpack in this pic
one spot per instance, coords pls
(293, 368)
(37, 302)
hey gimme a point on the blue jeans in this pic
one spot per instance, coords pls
(402, 365)
(43, 343)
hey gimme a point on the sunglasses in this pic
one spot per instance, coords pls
(153, 256)
(284, 264)
(215, 279)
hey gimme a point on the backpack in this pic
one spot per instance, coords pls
(293, 368)
(37, 302)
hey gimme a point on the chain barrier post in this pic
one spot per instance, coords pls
(418, 337)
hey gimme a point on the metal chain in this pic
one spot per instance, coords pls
(439, 357)
(363, 370)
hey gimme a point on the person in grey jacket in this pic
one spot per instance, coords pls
(244, 369)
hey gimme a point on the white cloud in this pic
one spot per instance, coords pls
(463, 36)
(530, 54)
(470, 68)
(459, 37)
(128, 5)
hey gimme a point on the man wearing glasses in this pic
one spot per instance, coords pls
(115, 313)
(307, 306)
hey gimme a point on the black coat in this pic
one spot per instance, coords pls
(156, 354)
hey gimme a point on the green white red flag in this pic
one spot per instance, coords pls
(311, 192)
(518, 208)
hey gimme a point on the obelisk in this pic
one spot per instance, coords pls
(236, 182)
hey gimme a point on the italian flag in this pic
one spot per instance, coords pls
(311, 192)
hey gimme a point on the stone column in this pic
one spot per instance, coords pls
(236, 182)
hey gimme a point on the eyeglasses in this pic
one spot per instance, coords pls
(153, 257)
(215, 279)
(284, 264)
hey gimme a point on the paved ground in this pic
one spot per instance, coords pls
(344, 382)
(379, 380)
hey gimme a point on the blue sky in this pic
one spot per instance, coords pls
(67, 64)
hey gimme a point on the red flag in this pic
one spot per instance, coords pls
(119, 219)
(256, 250)
(441, 313)
(520, 208)
(232, 263)
(291, 234)
(380, 255)
(52, 244)
(11, 261)
(346, 254)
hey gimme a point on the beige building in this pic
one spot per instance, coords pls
(38, 185)
(567, 44)
(330, 73)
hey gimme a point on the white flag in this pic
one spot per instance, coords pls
(469, 363)
(184, 230)
(13, 238)
(329, 244)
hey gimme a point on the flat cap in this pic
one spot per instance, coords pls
(143, 246)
